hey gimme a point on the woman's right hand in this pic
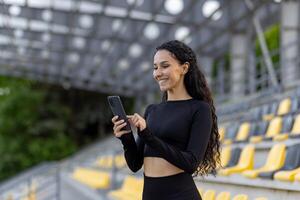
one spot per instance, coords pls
(118, 125)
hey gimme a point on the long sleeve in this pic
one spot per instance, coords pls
(188, 159)
(133, 150)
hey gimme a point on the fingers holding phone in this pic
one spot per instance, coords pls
(137, 121)
(118, 125)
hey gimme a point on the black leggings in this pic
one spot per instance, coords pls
(174, 187)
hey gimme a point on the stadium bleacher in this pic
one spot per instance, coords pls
(260, 170)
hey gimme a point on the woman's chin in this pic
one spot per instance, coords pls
(163, 89)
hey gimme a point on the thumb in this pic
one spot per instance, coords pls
(129, 116)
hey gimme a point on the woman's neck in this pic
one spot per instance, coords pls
(178, 94)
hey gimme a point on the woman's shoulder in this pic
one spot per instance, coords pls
(200, 103)
(149, 108)
(200, 106)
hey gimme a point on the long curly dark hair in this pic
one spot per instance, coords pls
(197, 88)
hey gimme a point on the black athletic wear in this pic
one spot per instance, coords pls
(177, 131)
(180, 186)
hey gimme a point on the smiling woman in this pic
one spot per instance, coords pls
(178, 137)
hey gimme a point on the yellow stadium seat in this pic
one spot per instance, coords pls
(209, 195)
(225, 156)
(243, 132)
(268, 117)
(120, 161)
(31, 194)
(132, 188)
(296, 127)
(284, 106)
(231, 132)
(108, 161)
(240, 197)
(93, 178)
(281, 137)
(223, 196)
(274, 128)
(105, 161)
(227, 141)
(246, 162)
(295, 130)
(297, 177)
(288, 175)
(275, 160)
(283, 109)
(222, 131)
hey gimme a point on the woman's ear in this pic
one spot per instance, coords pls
(186, 66)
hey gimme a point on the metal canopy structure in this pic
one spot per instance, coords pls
(108, 45)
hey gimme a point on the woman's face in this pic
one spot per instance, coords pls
(167, 70)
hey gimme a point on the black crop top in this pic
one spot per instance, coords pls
(177, 131)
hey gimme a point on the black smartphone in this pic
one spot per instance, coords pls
(117, 108)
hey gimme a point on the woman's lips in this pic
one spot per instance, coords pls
(162, 81)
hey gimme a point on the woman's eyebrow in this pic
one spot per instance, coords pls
(162, 62)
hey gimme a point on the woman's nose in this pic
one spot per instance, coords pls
(157, 74)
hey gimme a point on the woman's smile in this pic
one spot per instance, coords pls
(161, 81)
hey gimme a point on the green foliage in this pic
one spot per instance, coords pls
(40, 122)
(32, 130)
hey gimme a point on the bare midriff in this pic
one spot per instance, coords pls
(157, 167)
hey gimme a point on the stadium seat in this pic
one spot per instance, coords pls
(223, 196)
(222, 132)
(290, 172)
(297, 177)
(240, 197)
(295, 132)
(30, 196)
(283, 109)
(31, 193)
(292, 161)
(287, 125)
(93, 178)
(131, 188)
(234, 156)
(287, 175)
(225, 156)
(260, 129)
(209, 195)
(284, 106)
(255, 113)
(296, 128)
(105, 161)
(273, 129)
(243, 132)
(246, 162)
(275, 160)
(120, 161)
(270, 111)
(295, 105)
(230, 134)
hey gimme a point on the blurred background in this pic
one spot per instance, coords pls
(60, 59)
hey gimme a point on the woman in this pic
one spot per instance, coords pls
(178, 137)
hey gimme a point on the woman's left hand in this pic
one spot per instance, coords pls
(137, 121)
